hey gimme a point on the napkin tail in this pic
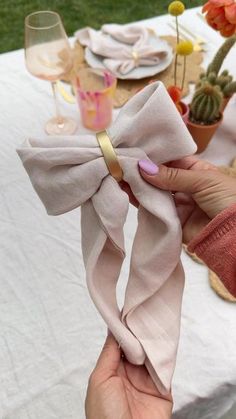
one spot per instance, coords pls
(154, 292)
(103, 253)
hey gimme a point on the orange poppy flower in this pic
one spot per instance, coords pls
(221, 16)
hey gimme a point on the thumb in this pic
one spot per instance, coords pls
(175, 179)
(109, 358)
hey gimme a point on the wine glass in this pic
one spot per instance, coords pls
(48, 56)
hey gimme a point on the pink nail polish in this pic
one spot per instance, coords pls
(148, 167)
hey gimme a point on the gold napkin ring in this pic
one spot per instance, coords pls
(109, 154)
(135, 58)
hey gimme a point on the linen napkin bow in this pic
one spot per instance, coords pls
(123, 47)
(68, 172)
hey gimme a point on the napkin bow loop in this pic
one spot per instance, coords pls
(68, 172)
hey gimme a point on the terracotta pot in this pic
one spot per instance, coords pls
(225, 103)
(202, 134)
(185, 111)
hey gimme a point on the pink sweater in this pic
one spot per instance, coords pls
(216, 246)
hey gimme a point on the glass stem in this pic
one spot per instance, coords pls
(60, 119)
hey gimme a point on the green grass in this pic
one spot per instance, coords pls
(75, 14)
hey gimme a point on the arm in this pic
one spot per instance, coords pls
(206, 204)
(216, 246)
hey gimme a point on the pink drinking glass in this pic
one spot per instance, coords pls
(48, 56)
(95, 91)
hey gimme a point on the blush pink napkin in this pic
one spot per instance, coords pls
(127, 34)
(68, 172)
(117, 43)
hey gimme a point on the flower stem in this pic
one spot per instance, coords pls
(177, 28)
(175, 70)
(176, 55)
(184, 72)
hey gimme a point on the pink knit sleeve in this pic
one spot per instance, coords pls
(216, 246)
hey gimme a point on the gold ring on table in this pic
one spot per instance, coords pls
(110, 156)
(135, 58)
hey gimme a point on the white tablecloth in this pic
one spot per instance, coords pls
(50, 332)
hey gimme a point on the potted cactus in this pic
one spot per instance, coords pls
(223, 80)
(205, 114)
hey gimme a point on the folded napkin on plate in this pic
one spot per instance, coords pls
(68, 172)
(128, 34)
(123, 47)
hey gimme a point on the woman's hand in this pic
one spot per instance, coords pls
(200, 190)
(120, 390)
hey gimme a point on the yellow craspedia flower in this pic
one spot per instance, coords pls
(184, 48)
(176, 8)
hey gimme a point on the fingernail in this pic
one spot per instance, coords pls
(148, 167)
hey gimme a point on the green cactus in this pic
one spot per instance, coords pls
(229, 89)
(224, 81)
(212, 78)
(217, 61)
(225, 73)
(206, 104)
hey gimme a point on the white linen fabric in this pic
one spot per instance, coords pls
(123, 47)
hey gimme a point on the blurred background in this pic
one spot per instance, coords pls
(76, 14)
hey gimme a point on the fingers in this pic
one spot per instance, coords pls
(106, 367)
(193, 163)
(175, 179)
(185, 163)
(109, 358)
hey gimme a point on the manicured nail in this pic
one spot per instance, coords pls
(148, 167)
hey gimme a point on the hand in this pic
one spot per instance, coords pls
(200, 190)
(120, 390)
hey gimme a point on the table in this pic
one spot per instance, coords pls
(50, 333)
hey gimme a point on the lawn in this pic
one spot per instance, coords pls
(75, 14)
